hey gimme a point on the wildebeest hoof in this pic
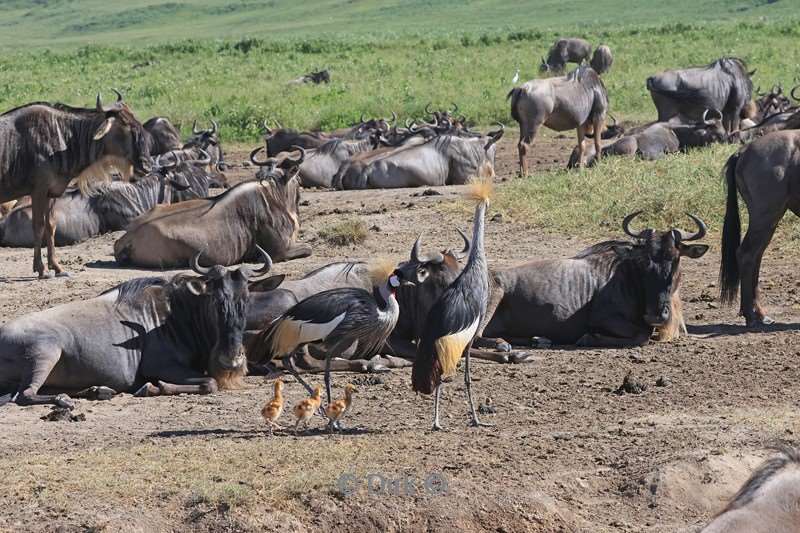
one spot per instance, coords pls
(760, 322)
(148, 389)
(62, 400)
(100, 393)
(46, 275)
(502, 346)
(376, 368)
(63, 274)
(520, 357)
(541, 342)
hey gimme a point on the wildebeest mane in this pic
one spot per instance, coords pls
(787, 455)
(130, 291)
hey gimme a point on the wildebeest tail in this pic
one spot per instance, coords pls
(426, 372)
(514, 95)
(731, 236)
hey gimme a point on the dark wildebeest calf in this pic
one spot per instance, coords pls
(767, 175)
(576, 101)
(147, 336)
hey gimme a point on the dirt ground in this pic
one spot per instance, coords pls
(567, 453)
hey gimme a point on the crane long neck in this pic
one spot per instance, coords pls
(476, 253)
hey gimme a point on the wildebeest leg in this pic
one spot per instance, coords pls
(581, 135)
(527, 134)
(495, 297)
(749, 255)
(598, 126)
(468, 383)
(50, 235)
(297, 252)
(201, 385)
(39, 207)
(41, 363)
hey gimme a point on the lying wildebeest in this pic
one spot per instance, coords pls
(614, 293)
(163, 136)
(766, 173)
(654, 140)
(565, 51)
(724, 84)
(226, 228)
(207, 140)
(147, 336)
(284, 139)
(768, 500)
(109, 206)
(602, 59)
(321, 76)
(47, 145)
(442, 160)
(576, 101)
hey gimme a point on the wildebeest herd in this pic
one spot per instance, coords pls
(79, 172)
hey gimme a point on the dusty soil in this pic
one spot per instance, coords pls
(567, 452)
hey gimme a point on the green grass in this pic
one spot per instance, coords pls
(345, 233)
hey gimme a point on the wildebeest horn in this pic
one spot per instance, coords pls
(467, 245)
(266, 162)
(99, 103)
(752, 72)
(701, 230)
(172, 162)
(613, 118)
(214, 127)
(119, 96)
(495, 135)
(195, 131)
(266, 127)
(300, 158)
(417, 257)
(758, 91)
(428, 108)
(794, 96)
(180, 187)
(394, 119)
(455, 108)
(195, 264)
(206, 158)
(361, 120)
(253, 273)
(777, 89)
(708, 121)
(626, 225)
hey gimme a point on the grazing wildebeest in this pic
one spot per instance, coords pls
(163, 136)
(602, 59)
(576, 101)
(565, 51)
(614, 293)
(768, 500)
(766, 173)
(46, 145)
(147, 336)
(442, 160)
(724, 84)
(226, 228)
(109, 206)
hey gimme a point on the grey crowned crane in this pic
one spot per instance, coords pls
(454, 318)
(337, 319)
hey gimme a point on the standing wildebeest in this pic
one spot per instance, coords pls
(724, 84)
(109, 206)
(442, 160)
(147, 336)
(226, 228)
(614, 293)
(768, 500)
(767, 175)
(576, 101)
(164, 137)
(602, 59)
(46, 145)
(565, 51)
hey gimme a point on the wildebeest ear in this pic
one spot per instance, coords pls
(196, 287)
(693, 250)
(267, 284)
(104, 128)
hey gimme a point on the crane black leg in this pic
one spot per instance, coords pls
(468, 382)
(288, 364)
(328, 375)
(437, 395)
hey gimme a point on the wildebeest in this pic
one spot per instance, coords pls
(147, 336)
(109, 206)
(649, 142)
(284, 139)
(614, 293)
(602, 59)
(565, 51)
(766, 173)
(724, 84)
(321, 164)
(576, 101)
(47, 145)
(163, 136)
(226, 228)
(320, 76)
(442, 160)
(767, 502)
(207, 140)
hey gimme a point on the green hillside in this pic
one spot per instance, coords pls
(56, 23)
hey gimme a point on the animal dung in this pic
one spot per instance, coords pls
(62, 414)
(631, 385)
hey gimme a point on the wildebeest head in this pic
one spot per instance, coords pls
(209, 141)
(121, 136)
(709, 130)
(423, 278)
(283, 171)
(219, 307)
(656, 257)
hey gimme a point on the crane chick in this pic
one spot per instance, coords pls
(273, 409)
(305, 409)
(336, 410)
(455, 317)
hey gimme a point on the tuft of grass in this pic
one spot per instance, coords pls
(347, 232)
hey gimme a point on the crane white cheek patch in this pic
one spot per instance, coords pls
(394, 281)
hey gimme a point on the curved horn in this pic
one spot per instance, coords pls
(394, 119)
(300, 158)
(195, 264)
(266, 162)
(793, 95)
(99, 103)
(626, 225)
(467, 245)
(170, 164)
(214, 127)
(613, 118)
(266, 127)
(495, 135)
(701, 230)
(361, 120)
(204, 161)
(708, 121)
(428, 108)
(195, 131)
(455, 108)
(758, 91)
(254, 273)
(119, 96)
(418, 257)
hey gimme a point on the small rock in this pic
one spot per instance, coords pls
(663, 382)
(498, 217)
(631, 385)
(375, 228)
(427, 192)
(486, 408)
(305, 202)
